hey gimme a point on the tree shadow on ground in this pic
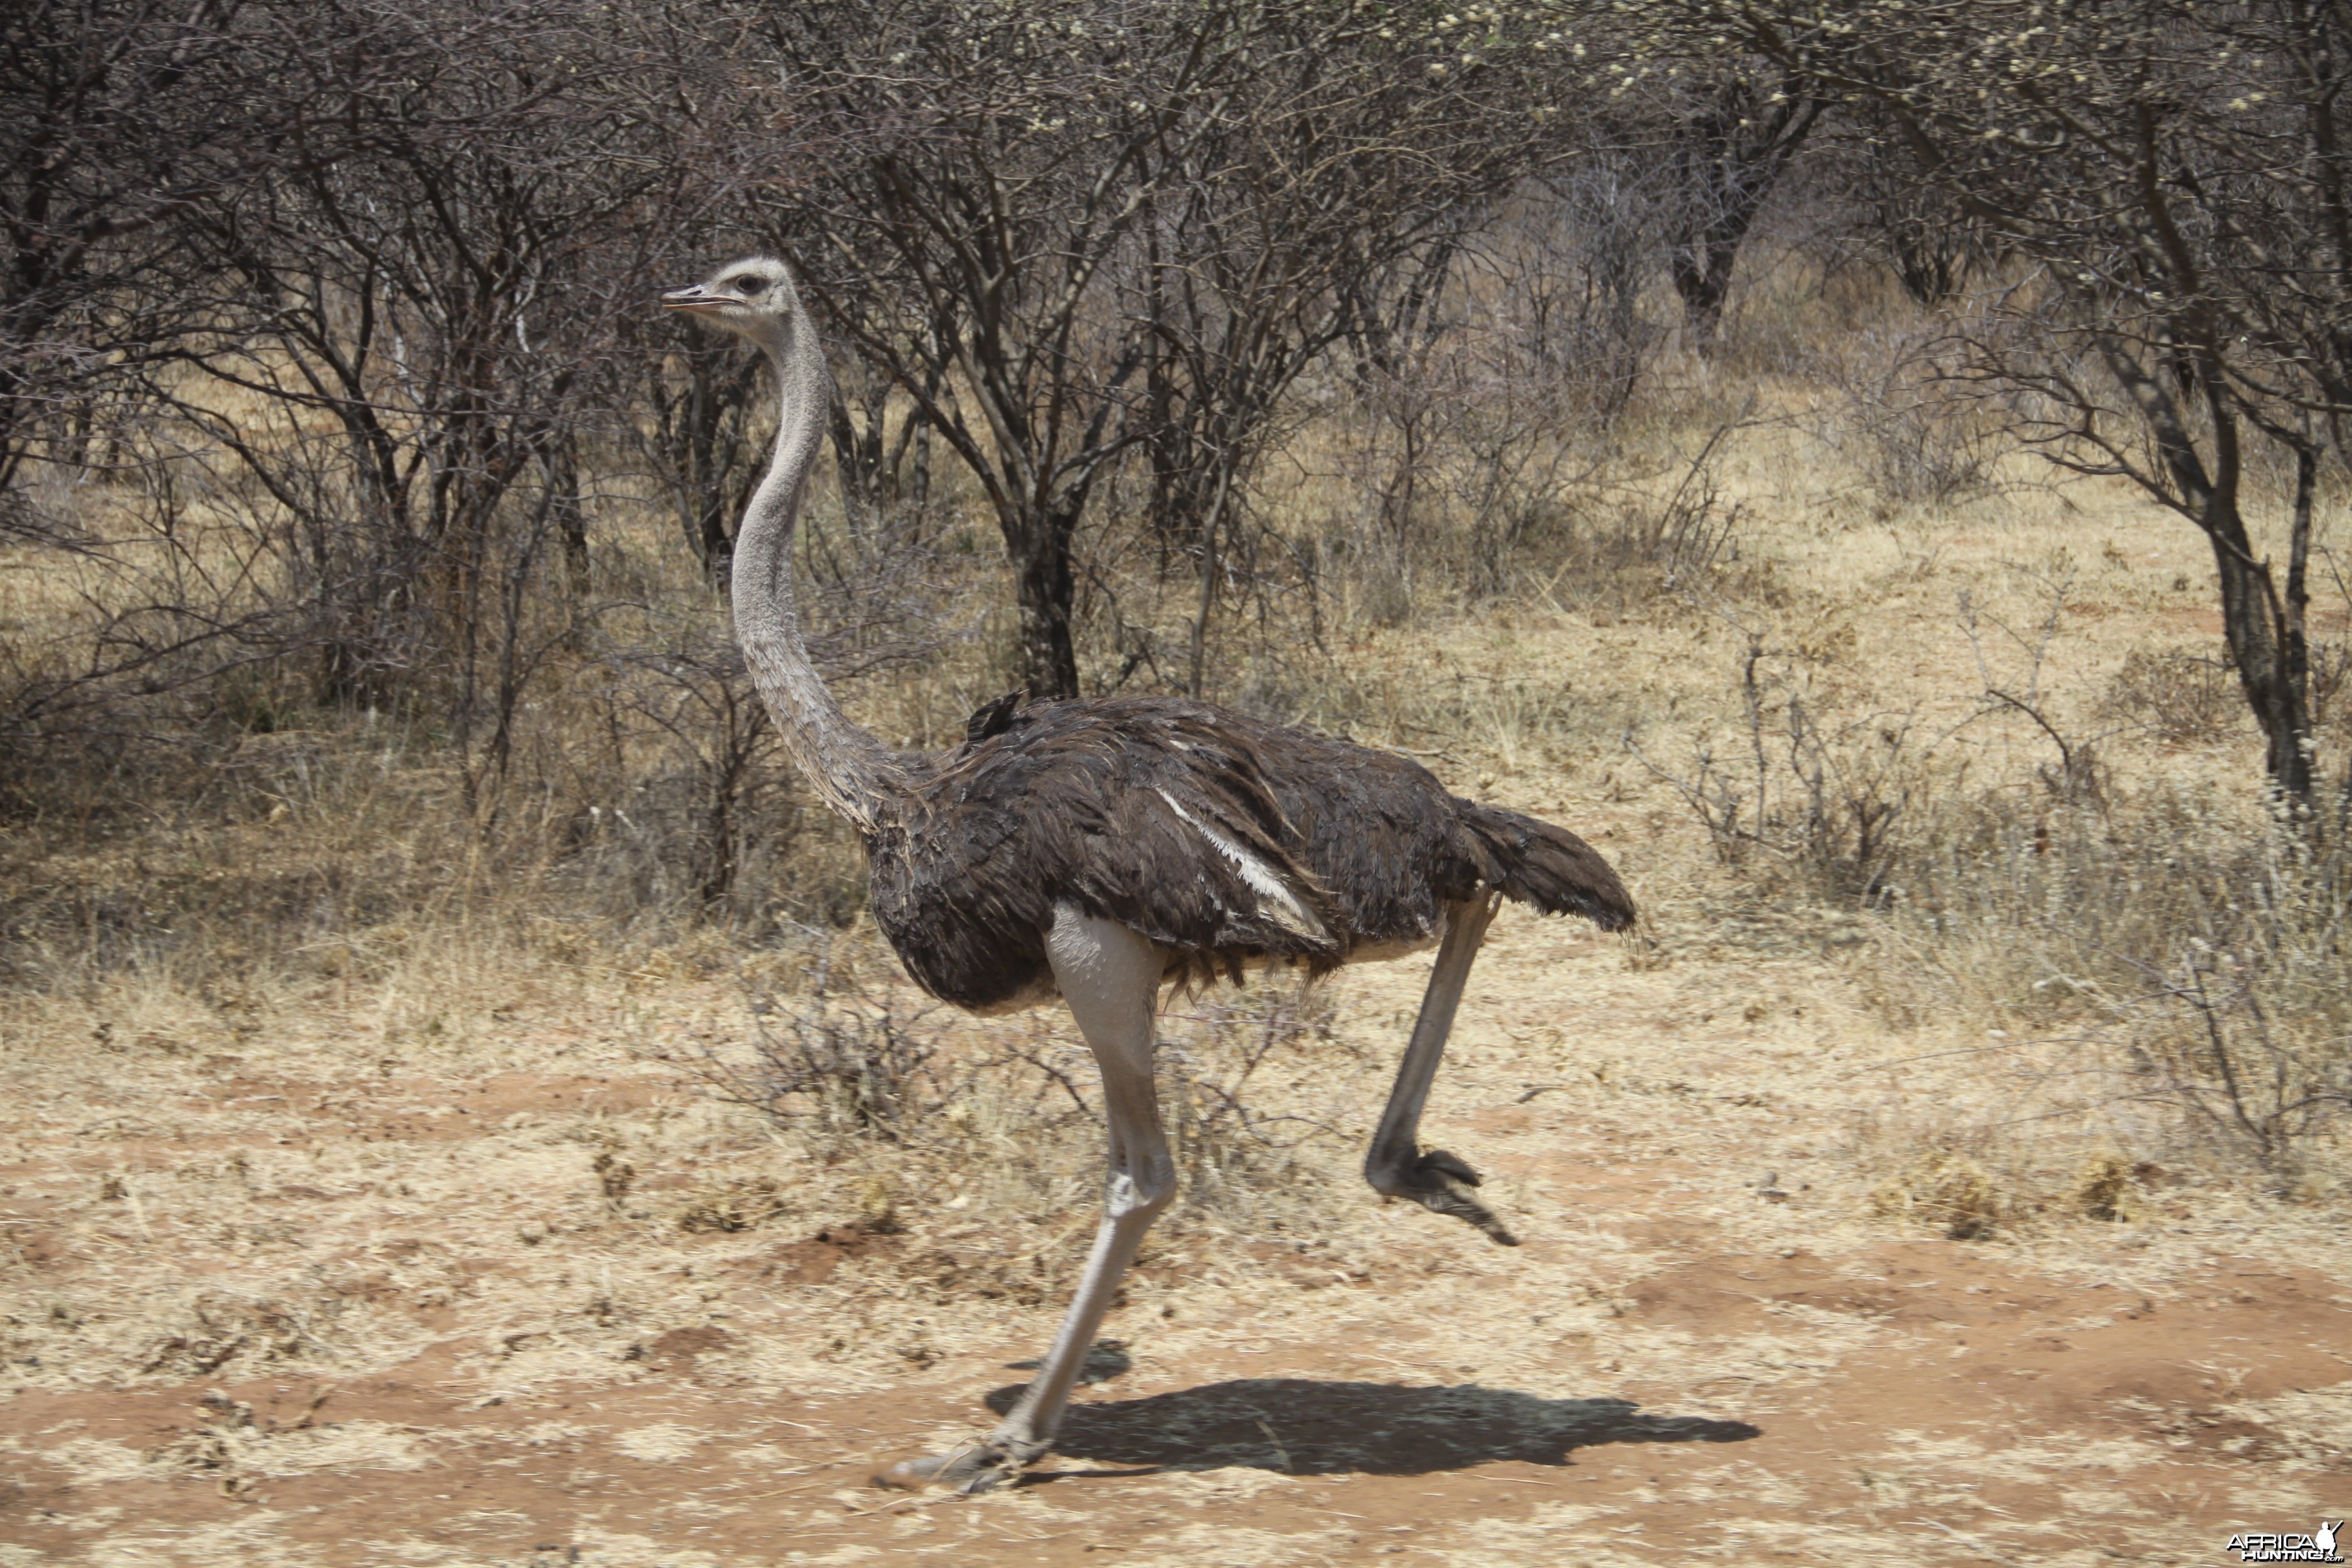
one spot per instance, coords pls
(1304, 1426)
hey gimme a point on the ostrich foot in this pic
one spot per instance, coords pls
(977, 1466)
(1441, 1183)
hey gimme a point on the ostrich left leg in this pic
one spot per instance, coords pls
(1110, 978)
(1397, 1166)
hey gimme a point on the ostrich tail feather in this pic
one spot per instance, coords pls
(1548, 867)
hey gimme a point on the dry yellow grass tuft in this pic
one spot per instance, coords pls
(2105, 1188)
(1948, 1192)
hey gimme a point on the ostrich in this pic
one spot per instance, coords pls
(1097, 849)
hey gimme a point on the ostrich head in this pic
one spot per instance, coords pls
(752, 298)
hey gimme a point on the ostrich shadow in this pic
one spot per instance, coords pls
(1307, 1426)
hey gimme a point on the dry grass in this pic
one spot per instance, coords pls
(1815, 640)
(1813, 679)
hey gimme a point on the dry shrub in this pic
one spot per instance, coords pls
(1006, 1126)
(857, 1076)
(1653, 547)
(247, 828)
(1917, 434)
(2183, 697)
(849, 1066)
(2186, 965)
(1236, 1159)
(1825, 803)
(1467, 482)
(2199, 961)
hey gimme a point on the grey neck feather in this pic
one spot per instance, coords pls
(848, 766)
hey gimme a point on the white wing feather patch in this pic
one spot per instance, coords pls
(1277, 899)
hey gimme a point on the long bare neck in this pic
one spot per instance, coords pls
(848, 766)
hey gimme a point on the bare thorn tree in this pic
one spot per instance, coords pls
(1246, 171)
(2172, 186)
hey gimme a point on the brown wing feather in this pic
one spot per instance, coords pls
(1223, 838)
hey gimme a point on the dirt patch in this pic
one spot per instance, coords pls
(1684, 1359)
(813, 1261)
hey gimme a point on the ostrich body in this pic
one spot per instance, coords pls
(1097, 849)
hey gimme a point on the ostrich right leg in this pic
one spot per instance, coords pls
(1397, 1166)
(1110, 978)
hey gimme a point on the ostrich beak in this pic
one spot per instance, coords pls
(696, 298)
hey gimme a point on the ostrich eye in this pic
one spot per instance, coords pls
(748, 283)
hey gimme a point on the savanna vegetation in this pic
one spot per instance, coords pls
(1876, 467)
(355, 490)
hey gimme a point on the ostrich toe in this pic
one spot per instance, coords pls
(1441, 1183)
(973, 1468)
(1453, 1165)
